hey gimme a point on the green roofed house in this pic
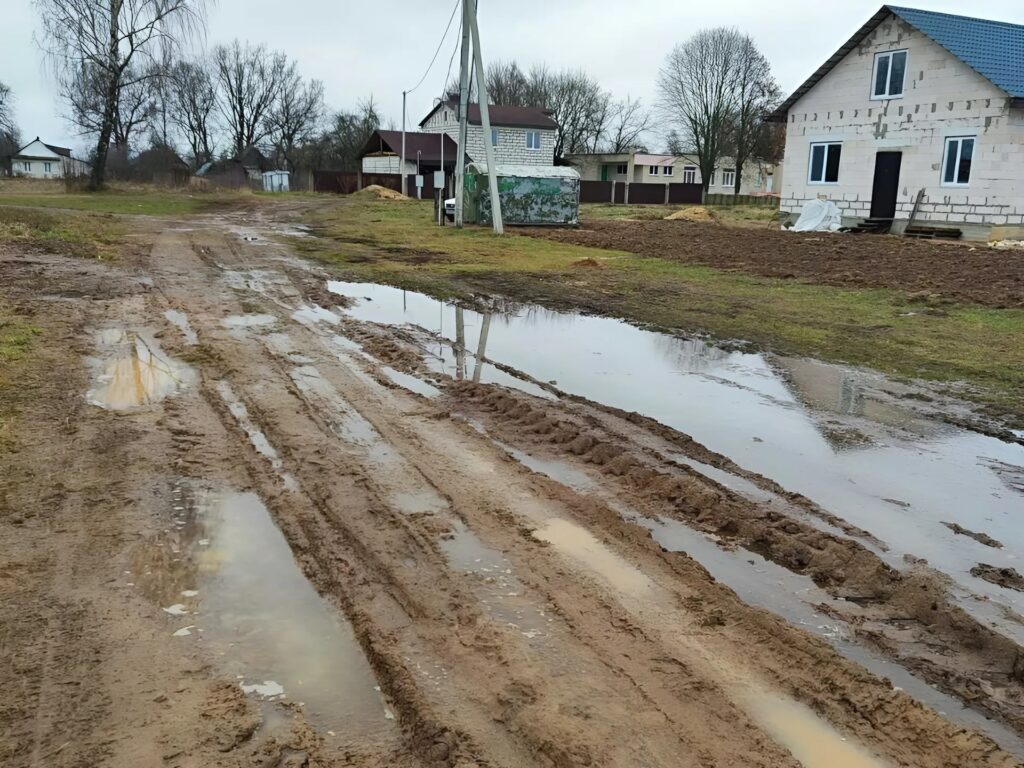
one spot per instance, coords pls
(918, 115)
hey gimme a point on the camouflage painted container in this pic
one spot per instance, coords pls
(531, 195)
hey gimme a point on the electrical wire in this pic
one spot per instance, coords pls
(443, 37)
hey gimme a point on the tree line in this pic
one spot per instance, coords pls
(124, 73)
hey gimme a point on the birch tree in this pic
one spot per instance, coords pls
(113, 42)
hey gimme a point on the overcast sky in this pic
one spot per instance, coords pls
(382, 47)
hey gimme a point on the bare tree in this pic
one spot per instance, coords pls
(756, 95)
(630, 121)
(697, 89)
(107, 38)
(9, 137)
(191, 101)
(338, 147)
(674, 143)
(295, 115)
(85, 92)
(249, 80)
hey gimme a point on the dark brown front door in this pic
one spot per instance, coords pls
(887, 183)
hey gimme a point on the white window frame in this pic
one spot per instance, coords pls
(27, 166)
(622, 169)
(888, 81)
(959, 152)
(533, 141)
(653, 170)
(668, 170)
(495, 136)
(689, 175)
(728, 177)
(824, 164)
(46, 167)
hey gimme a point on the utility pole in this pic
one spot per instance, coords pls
(485, 118)
(460, 159)
(401, 167)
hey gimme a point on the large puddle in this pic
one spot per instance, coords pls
(226, 578)
(133, 371)
(828, 432)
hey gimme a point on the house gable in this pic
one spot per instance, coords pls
(37, 150)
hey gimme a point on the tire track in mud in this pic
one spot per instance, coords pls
(329, 540)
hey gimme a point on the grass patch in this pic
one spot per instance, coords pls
(78, 234)
(395, 242)
(16, 339)
(123, 199)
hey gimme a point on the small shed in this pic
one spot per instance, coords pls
(531, 195)
(275, 181)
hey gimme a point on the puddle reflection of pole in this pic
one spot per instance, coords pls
(460, 344)
(482, 347)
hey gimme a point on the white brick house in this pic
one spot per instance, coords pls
(759, 177)
(521, 135)
(39, 160)
(915, 100)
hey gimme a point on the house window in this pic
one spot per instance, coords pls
(653, 170)
(890, 69)
(729, 177)
(825, 163)
(956, 167)
(46, 167)
(27, 166)
(494, 137)
(533, 139)
(689, 175)
(622, 169)
(668, 170)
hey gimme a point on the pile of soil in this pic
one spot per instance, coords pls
(960, 271)
(378, 192)
(691, 213)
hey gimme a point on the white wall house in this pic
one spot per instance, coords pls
(521, 135)
(915, 100)
(759, 177)
(39, 160)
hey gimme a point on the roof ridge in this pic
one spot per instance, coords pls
(898, 8)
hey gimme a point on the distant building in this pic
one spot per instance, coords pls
(39, 160)
(520, 135)
(759, 177)
(915, 102)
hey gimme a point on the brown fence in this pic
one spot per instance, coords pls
(339, 182)
(769, 201)
(347, 182)
(596, 191)
(646, 194)
(685, 194)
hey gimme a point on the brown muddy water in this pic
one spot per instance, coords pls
(131, 371)
(836, 435)
(225, 577)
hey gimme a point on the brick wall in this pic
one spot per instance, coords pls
(511, 148)
(942, 97)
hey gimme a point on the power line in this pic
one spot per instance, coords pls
(443, 37)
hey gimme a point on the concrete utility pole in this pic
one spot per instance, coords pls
(460, 158)
(401, 167)
(485, 118)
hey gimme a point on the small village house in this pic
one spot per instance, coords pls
(520, 135)
(39, 160)
(915, 102)
(638, 167)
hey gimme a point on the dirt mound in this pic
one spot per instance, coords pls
(588, 262)
(981, 538)
(378, 192)
(691, 213)
(1003, 577)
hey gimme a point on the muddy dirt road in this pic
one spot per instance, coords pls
(252, 516)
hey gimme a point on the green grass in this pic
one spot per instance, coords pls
(120, 198)
(77, 234)
(15, 337)
(395, 242)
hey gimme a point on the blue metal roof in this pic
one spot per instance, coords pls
(993, 49)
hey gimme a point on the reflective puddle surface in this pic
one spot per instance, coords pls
(226, 578)
(133, 371)
(839, 436)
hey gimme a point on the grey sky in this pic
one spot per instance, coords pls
(359, 48)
